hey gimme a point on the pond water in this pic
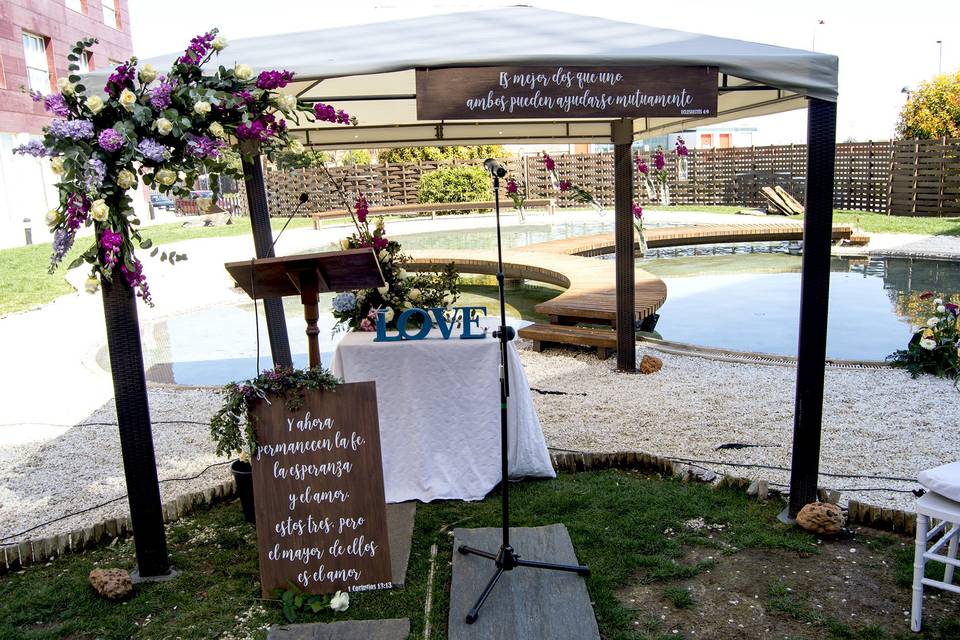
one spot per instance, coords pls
(742, 297)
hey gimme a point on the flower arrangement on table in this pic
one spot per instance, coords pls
(164, 130)
(682, 152)
(576, 192)
(518, 197)
(357, 310)
(935, 347)
(233, 427)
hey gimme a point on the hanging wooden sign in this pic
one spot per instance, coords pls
(318, 488)
(470, 93)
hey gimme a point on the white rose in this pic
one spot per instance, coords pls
(92, 284)
(166, 177)
(128, 99)
(147, 74)
(941, 308)
(932, 322)
(928, 344)
(95, 104)
(66, 87)
(202, 107)
(383, 290)
(938, 301)
(388, 314)
(383, 255)
(56, 165)
(219, 43)
(402, 273)
(296, 147)
(126, 179)
(407, 305)
(243, 72)
(414, 294)
(217, 130)
(99, 210)
(286, 102)
(164, 126)
(52, 217)
(340, 601)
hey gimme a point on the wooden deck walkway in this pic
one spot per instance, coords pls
(590, 296)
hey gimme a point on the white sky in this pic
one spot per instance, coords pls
(883, 45)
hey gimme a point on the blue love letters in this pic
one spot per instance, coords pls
(427, 317)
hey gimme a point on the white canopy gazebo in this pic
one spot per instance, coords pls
(371, 71)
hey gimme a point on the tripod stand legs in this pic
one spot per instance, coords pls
(474, 612)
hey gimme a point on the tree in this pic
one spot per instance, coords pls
(933, 110)
(355, 157)
(288, 160)
(420, 154)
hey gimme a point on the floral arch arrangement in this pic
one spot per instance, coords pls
(164, 130)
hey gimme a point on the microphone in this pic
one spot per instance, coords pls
(496, 169)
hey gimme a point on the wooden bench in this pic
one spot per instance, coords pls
(506, 206)
(604, 340)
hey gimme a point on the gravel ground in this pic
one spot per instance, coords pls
(876, 422)
(40, 481)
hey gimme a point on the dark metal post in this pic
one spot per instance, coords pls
(263, 244)
(623, 232)
(814, 292)
(133, 416)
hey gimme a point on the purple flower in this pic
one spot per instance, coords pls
(152, 150)
(199, 47)
(72, 129)
(565, 185)
(110, 140)
(57, 105)
(549, 163)
(379, 242)
(273, 79)
(136, 279)
(362, 208)
(953, 309)
(681, 147)
(33, 147)
(62, 241)
(110, 242)
(326, 113)
(77, 209)
(658, 160)
(121, 78)
(204, 147)
(511, 186)
(160, 94)
(642, 166)
(94, 173)
(637, 211)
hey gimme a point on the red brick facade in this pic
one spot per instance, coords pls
(61, 27)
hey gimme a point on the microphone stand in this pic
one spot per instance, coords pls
(506, 558)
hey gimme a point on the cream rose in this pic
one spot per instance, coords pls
(932, 322)
(217, 130)
(344, 244)
(56, 165)
(92, 284)
(388, 314)
(340, 601)
(128, 99)
(928, 344)
(202, 107)
(147, 74)
(66, 87)
(383, 290)
(219, 43)
(414, 295)
(296, 147)
(402, 274)
(52, 217)
(163, 126)
(126, 179)
(166, 177)
(99, 210)
(286, 102)
(243, 72)
(95, 104)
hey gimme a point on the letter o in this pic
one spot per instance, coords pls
(424, 329)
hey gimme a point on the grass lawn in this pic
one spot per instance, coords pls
(629, 528)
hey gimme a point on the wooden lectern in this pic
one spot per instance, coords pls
(307, 276)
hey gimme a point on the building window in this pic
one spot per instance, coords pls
(84, 62)
(111, 17)
(724, 141)
(706, 140)
(76, 5)
(38, 67)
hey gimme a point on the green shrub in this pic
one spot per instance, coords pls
(455, 184)
(420, 154)
(355, 157)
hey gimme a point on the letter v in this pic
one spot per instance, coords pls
(445, 329)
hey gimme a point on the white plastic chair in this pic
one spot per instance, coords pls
(947, 511)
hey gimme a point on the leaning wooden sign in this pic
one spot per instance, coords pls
(469, 93)
(318, 487)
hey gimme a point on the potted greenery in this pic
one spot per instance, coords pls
(233, 427)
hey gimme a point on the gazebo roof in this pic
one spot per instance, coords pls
(369, 70)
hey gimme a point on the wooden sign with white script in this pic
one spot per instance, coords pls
(318, 487)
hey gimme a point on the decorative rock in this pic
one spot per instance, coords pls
(111, 583)
(821, 517)
(649, 364)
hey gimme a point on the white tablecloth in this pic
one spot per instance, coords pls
(439, 407)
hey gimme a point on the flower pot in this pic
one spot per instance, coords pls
(243, 475)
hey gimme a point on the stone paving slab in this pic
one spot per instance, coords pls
(400, 534)
(392, 629)
(527, 603)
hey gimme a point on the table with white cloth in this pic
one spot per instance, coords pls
(439, 407)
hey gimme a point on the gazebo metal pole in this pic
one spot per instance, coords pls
(133, 418)
(622, 135)
(814, 292)
(263, 245)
